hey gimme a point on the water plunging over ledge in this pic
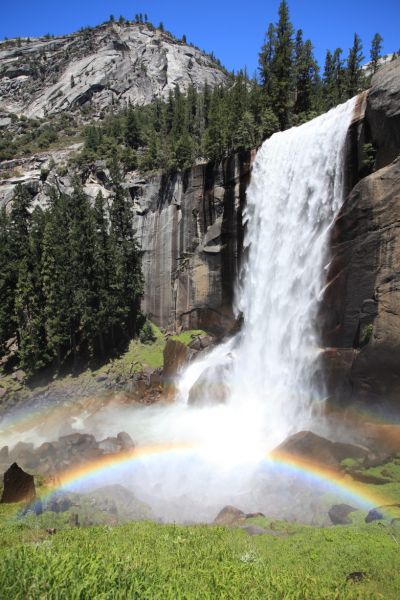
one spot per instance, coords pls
(295, 193)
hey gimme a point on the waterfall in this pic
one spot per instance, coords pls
(267, 371)
(210, 447)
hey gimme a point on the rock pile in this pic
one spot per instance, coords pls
(69, 450)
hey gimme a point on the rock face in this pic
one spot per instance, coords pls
(383, 113)
(18, 485)
(190, 229)
(110, 64)
(361, 307)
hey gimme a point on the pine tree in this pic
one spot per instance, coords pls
(246, 133)
(283, 66)
(103, 268)
(266, 62)
(214, 140)
(132, 132)
(127, 281)
(354, 71)
(7, 282)
(306, 76)
(58, 279)
(269, 123)
(376, 51)
(83, 280)
(339, 74)
(20, 220)
(29, 301)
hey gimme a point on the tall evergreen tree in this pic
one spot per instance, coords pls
(354, 70)
(7, 282)
(132, 132)
(339, 73)
(83, 279)
(376, 51)
(283, 66)
(29, 301)
(266, 61)
(306, 76)
(127, 281)
(58, 279)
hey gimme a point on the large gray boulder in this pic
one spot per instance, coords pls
(310, 447)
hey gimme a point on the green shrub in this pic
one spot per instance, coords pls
(147, 335)
(366, 334)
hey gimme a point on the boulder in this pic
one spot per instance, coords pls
(339, 514)
(76, 442)
(314, 448)
(374, 515)
(46, 451)
(18, 485)
(19, 449)
(230, 515)
(110, 445)
(125, 441)
(59, 503)
(176, 355)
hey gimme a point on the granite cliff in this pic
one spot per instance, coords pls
(112, 64)
(361, 308)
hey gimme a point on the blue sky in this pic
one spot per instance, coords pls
(232, 29)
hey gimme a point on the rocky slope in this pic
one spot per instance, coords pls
(111, 64)
(362, 304)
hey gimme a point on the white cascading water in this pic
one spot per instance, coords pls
(295, 193)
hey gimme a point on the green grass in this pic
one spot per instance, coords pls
(147, 355)
(150, 561)
(186, 337)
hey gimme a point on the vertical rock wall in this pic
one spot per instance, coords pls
(190, 230)
(361, 308)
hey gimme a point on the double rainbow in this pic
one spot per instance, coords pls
(293, 467)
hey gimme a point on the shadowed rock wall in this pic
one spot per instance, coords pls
(361, 308)
(190, 230)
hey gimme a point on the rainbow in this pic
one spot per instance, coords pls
(289, 466)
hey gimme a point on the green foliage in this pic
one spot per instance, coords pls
(367, 159)
(376, 51)
(355, 77)
(366, 334)
(147, 334)
(70, 283)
